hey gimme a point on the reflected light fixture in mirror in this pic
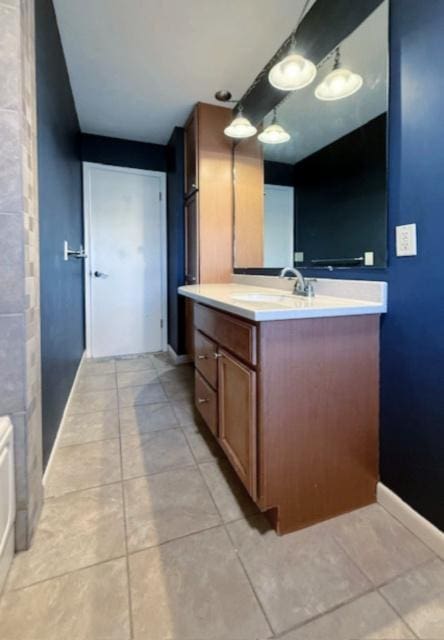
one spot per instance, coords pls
(274, 133)
(240, 127)
(292, 73)
(339, 83)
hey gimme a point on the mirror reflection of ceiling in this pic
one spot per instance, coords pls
(313, 124)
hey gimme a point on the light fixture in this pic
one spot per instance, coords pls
(240, 127)
(292, 73)
(339, 83)
(274, 133)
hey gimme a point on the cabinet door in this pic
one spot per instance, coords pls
(191, 241)
(191, 174)
(237, 417)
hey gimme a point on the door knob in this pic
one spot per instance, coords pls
(100, 274)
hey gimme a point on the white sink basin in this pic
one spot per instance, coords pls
(270, 298)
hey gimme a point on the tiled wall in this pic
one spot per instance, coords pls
(20, 378)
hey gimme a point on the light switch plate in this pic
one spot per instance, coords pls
(369, 259)
(299, 256)
(406, 240)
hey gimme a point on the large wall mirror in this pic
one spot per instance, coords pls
(319, 200)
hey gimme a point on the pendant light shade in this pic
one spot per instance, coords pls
(292, 73)
(340, 83)
(274, 133)
(240, 127)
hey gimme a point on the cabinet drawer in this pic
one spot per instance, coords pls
(237, 336)
(206, 402)
(205, 359)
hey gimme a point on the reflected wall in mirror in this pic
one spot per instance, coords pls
(320, 199)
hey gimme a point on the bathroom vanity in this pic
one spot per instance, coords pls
(289, 387)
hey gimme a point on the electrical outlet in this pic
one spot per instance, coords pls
(299, 256)
(406, 240)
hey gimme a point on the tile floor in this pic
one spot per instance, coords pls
(147, 534)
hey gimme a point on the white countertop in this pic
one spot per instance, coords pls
(285, 306)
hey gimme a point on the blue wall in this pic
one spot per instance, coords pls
(176, 240)
(123, 153)
(412, 414)
(60, 203)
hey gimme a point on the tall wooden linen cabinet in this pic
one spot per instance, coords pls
(208, 202)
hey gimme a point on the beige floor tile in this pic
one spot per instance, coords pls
(179, 389)
(367, 618)
(202, 443)
(145, 418)
(90, 604)
(167, 506)
(184, 373)
(96, 383)
(97, 367)
(89, 427)
(137, 378)
(418, 596)
(378, 543)
(154, 452)
(193, 589)
(162, 361)
(228, 492)
(186, 412)
(75, 531)
(296, 576)
(83, 466)
(140, 363)
(90, 401)
(144, 394)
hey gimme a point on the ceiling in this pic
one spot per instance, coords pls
(313, 123)
(137, 67)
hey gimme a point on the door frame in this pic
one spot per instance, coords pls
(87, 168)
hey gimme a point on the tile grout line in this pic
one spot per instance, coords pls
(318, 616)
(397, 613)
(389, 580)
(259, 603)
(65, 573)
(130, 603)
(177, 538)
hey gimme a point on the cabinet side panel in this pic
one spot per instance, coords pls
(318, 417)
(215, 194)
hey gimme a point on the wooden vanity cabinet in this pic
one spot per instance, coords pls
(294, 405)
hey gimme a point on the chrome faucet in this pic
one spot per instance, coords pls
(302, 286)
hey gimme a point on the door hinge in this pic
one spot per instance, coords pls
(160, 196)
(161, 324)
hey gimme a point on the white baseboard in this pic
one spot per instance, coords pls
(178, 359)
(411, 519)
(6, 558)
(56, 441)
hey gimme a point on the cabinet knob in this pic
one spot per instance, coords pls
(202, 400)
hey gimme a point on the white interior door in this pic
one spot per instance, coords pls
(278, 226)
(125, 269)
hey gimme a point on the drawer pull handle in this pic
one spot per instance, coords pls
(202, 357)
(202, 400)
(217, 355)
